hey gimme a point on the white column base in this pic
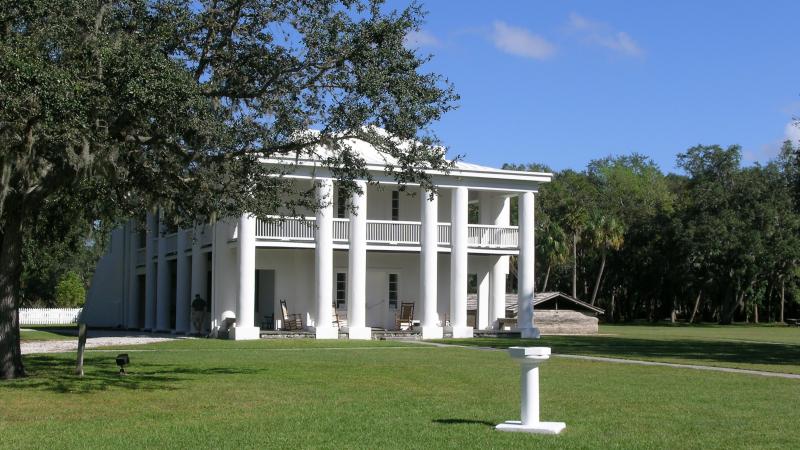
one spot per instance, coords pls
(462, 332)
(359, 333)
(528, 333)
(326, 333)
(432, 332)
(536, 427)
(245, 333)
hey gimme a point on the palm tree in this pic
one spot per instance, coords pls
(605, 234)
(554, 248)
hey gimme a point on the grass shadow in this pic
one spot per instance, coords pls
(56, 373)
(726, 352)
(464, 422)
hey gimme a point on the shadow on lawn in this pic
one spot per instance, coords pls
(56, 373)
(633, 348)
(464, 421)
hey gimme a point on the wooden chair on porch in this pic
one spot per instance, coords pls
(339, 319)
(405, 318)
(291, 322)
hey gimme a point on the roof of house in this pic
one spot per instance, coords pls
(538, 300)
(377, 160)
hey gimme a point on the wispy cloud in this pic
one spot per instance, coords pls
(792, 131)
(421, 38)
(520, 42)
(603, 35)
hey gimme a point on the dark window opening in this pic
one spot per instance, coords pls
(341, 289)
(395, 205)
(393, 283)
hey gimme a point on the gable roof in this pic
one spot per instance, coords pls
(538, 300)
(377, 160)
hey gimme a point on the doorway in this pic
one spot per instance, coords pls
(265, 299)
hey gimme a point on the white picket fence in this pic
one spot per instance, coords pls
(49, 316)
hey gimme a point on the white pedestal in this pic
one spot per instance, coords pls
(530, 358)
(326, 333)
(359, 333)
(432, 332)
(538, 427)
(462, 332)
(245, 333)
(529, 333)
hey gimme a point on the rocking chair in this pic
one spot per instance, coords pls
(291, 322)
(405, 319)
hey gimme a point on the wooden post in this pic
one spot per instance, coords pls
(81, 347)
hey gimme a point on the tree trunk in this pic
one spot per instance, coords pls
(546, 277)
(575, 265)
(599, 277)
(10, 353)
(613, 296)
(783, 298)
(696, 305)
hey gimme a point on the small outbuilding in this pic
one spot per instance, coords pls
(554, 313)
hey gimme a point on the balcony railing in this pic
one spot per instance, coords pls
(386, 232)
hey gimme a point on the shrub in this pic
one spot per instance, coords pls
(70, 292)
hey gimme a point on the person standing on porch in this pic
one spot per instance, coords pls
(198, 313)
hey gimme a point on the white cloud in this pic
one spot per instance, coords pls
(520, 42)
(421, 38)
(792, 131)
(602, 34)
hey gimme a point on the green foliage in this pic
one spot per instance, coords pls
(648, 244)
(70, 291)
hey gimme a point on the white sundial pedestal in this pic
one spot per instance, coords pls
(530, 358)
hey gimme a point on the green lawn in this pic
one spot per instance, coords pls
(768, 348)
(305, 393)
(48, 332)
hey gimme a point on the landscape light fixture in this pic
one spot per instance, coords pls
(122, 361)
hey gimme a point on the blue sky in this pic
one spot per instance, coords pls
(565, 82)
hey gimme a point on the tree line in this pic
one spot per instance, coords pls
(717, 243)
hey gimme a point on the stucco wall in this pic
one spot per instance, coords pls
(564, 322)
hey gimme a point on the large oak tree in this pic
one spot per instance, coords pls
(109, 108)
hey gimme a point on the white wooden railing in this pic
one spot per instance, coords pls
(492, 236)
(391, 232)
(288, 229)
(49, 316)
(341, 229)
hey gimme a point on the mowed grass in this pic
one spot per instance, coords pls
(47, 332)
(341, 394)
(766, 348)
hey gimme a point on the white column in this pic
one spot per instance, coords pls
(459, 217)
(482, 318)
(529, 359)
(428, 264)
(245, 306)
(497, 305)
(163, 293)
(323, 262)
(182, 309)
(150, 272)
(199, 273)
(525, 269)
(133, 283)
(357, 266)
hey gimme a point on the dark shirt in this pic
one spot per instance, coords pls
(199, 304)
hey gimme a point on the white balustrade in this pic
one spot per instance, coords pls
(391, 232)
(492, 236)
(289, 228)
(341, 229)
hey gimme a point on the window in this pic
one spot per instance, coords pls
(395, 205)
(341, 289)
(393, 277)
(341, 205)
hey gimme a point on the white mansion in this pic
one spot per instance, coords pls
(360, 257)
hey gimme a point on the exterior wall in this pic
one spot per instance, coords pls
(109, 288)
(565, 321)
